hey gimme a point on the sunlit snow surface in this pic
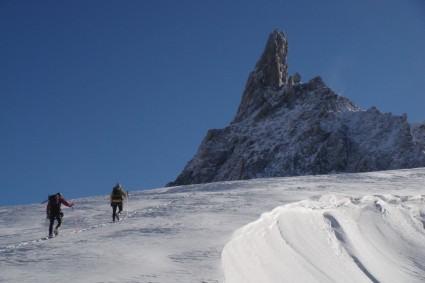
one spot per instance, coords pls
(336, 228)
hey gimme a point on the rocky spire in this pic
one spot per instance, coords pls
(270, 72)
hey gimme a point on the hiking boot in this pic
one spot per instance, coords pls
(56, 231)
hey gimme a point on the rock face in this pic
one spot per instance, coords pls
(284, 127)
(418, 133)
(270, 72)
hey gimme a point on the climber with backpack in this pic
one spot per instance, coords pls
(116, 197)
(54, 211)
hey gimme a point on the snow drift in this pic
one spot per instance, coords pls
(370, 239)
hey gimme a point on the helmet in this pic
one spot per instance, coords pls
(59, 194)
(118, 185)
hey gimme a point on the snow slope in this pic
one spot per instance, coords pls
(366, 227)
(369, 239)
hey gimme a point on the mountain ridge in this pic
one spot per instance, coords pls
(284, 127)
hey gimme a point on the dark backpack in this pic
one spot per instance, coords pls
(54, 205)
(116, 194)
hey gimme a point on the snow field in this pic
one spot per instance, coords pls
(336, 228)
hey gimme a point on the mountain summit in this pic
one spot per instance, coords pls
(285, 127)
(271, 71)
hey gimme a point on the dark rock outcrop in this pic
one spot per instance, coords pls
(270, 72)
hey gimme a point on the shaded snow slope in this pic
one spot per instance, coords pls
(370, 222)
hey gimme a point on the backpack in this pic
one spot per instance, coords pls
(116, 193)
(54, 205)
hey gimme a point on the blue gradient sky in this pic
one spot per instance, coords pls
(98, 92)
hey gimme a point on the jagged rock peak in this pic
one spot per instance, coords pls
(272, 70)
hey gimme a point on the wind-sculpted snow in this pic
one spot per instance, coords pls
(368, 239)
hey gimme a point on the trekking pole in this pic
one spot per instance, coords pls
(128, 203)
(45, 227)
(75, 219)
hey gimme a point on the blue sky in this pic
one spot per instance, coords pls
(98, 92)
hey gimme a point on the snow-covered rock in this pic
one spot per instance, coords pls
(418, 133)
(285, 127)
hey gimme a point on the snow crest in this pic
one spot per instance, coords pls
(370, 239)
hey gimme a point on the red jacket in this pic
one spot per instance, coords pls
(61, 201)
